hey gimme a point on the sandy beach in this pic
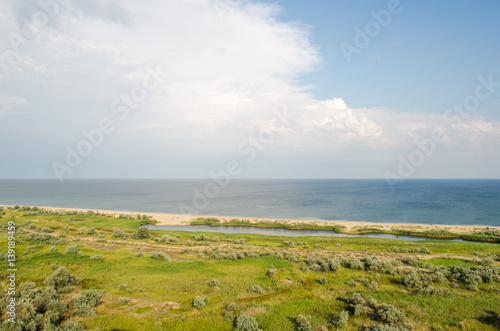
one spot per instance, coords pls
(179, 219)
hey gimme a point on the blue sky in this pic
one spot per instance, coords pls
(261, 89)
(426, 58)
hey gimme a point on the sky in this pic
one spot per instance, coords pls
(249, 89)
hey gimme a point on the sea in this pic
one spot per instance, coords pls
(454, 202)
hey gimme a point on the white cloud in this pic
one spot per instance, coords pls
(228, 66)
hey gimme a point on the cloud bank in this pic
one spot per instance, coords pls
(226, 66)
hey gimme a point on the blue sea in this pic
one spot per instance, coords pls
(461, 202)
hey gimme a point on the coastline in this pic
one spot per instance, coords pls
(348, 226)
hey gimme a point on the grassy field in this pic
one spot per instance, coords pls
(148, 280)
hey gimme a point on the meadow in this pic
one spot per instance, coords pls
(88, 271)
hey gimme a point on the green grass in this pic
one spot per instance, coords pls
(161, 292)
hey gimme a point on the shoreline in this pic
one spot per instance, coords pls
(348, 226)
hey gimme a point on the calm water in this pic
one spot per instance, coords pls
(282, 232)
(473, 202)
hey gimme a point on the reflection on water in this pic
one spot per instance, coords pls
(280, 232)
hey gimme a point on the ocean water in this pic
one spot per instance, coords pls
(463, 202)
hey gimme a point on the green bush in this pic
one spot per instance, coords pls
(139, 254)
(143, 232)
(53, 249)
(157, 255)
(123, 301)
(271, 272)
(73, 326)
(340, 321)
(91, 232)
(66, 228)
(334, 264)
(72, 249)
(389, 314)
(47, 230)
(213, 282)
(85, 302)
(256, 289)
(303, 323)
(118, 233)
(97, 257)
(232, 307)
(246, 323)
(62, 280)
(199, 302)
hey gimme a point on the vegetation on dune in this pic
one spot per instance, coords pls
(126, 277)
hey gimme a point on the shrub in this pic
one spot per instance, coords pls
(91, 232)
(157, 255)
(271, 272)
(353, 264)
(232, 307)
(122, 287)
(334, 264)
(389, 314)
(256, 289)
(96, 257)
(81, 230)
(228, 316)
(85, 302)
(53, 249)
(139, 254)
(199, 302)
(80, 253)
(487, 261)
(72, 249)
(322, 280)
(412, 262)
(118, 233)
(143, 232)
(123, 301)
(246, 323)
(412, 279)
(62, 280)
(73, 326)
(340, 321)
(47, 230)
(303, 323)
(213, 282)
